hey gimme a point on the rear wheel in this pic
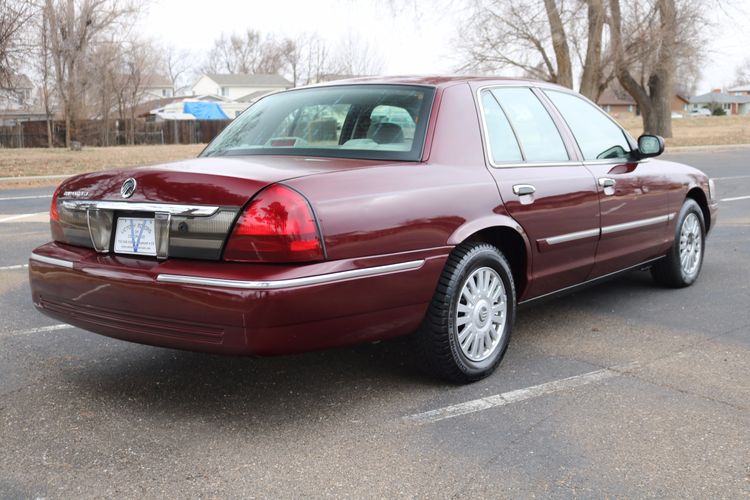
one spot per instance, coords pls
(684, 260)
(467, 328)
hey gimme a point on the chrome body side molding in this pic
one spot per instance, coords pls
(589, 233)
(662, 219)
(292, 282)
(51, 261)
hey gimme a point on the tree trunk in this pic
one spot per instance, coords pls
(560, 44)
(592, 68)
(661, 80)
(655, 97)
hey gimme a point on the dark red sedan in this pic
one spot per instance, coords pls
(360, 211)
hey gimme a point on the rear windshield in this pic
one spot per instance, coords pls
(379, 122)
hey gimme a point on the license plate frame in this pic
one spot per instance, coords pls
(135, 236)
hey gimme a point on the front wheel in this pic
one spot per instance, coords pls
(467, 328)
(684, 260)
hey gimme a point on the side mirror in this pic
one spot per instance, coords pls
(650, 145)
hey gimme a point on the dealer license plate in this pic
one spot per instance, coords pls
(135, 236)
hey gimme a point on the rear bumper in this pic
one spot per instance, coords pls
(234, 308)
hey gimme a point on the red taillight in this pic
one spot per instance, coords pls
(54, 219)
(53, 213)
(277, 226)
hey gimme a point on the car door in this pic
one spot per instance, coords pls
(633, 195)
(551, 195)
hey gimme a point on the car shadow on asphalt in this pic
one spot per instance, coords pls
(309, 385)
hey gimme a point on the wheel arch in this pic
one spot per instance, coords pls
(696, 193)
(505, 234)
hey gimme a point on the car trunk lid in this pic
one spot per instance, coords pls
(189, 207)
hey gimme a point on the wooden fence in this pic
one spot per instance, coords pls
(33, 134)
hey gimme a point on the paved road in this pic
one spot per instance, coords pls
(621, 390)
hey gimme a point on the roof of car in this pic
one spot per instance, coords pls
(434, 80)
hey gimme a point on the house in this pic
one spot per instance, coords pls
(731, 104)
(156, 87)
(238, 86)
(740, 90)
(680, 104)
(18, 94)
(616, 104)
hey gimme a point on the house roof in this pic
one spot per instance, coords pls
(609, 98)
(156, 81)
(253, 96)
(245, 80)
(740, 88)
(719, 98)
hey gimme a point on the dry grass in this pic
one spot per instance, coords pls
(700, 131)
(42, 161)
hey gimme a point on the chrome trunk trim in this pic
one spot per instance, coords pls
(172, 209)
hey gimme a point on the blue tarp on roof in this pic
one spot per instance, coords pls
(204, 110)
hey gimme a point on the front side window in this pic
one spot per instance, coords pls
(598, 137)
(350, 121)
(536, 132)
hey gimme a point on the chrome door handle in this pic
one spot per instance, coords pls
(606, 182)
(523, 189)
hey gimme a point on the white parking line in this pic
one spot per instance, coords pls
(61, 326)
(507, 398)
(21, 216)
(9, 198)
(17, 266)
(736, 198)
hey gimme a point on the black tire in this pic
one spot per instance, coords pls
(438, 343)
(670, 271)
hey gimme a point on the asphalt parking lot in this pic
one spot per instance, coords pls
(622, 390)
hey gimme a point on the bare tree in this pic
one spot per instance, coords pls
(249, 53)
(742, 73)
(356, 56)
(141, 62)
(15, 17)
(73, 26)
(105, 63)
(544, 39)
(649, 47)
(45, 71)
(175, 63)
(315, 59)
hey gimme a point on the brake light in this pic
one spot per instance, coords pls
(54, 220)
(54, 215)
(277, 226)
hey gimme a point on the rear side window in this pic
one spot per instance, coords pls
(502, 140)
(598, 137)
(536, 132)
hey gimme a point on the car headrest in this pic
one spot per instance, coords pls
(386, 133)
